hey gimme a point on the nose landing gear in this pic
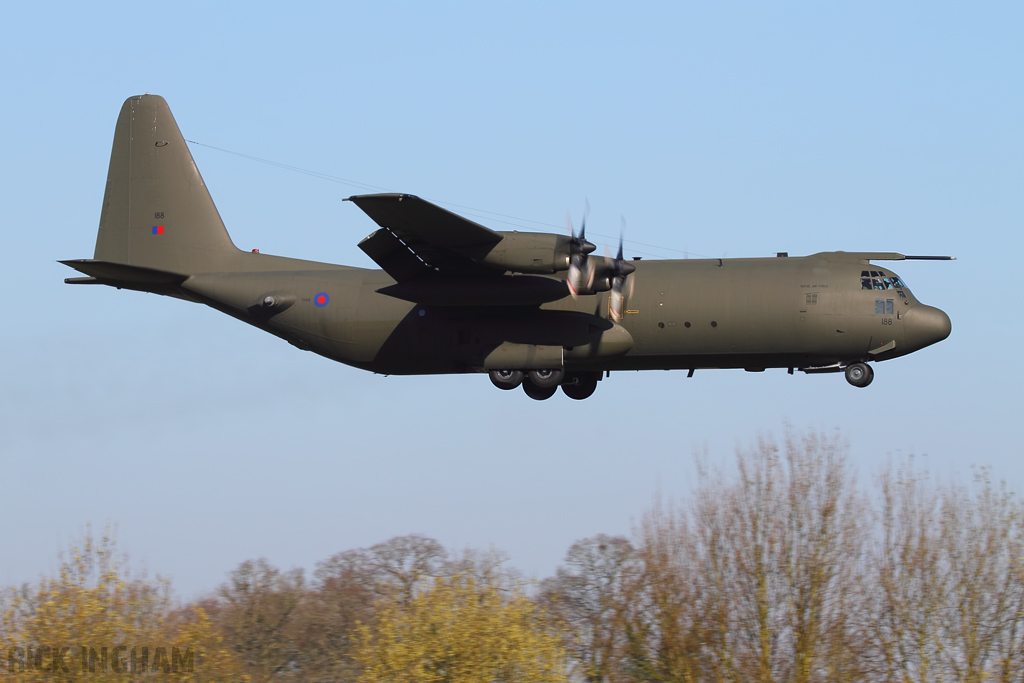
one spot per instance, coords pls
(859, 374)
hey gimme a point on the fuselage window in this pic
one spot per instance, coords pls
(884, 306)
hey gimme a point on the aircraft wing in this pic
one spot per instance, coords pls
(417, 237)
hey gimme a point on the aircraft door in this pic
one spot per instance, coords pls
(813, 320)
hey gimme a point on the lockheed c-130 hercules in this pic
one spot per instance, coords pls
(531, 309)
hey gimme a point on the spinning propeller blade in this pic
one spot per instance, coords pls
(621, 270)
(581, 273)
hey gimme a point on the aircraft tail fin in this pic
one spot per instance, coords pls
(157, 212)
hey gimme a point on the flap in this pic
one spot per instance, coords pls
(440, 239)
(391, 254)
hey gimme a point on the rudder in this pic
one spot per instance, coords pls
(157, 212)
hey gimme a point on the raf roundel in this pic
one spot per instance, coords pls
(321, 299)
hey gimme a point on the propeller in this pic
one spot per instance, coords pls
(589, 276)
(581, 271)
(621, 270)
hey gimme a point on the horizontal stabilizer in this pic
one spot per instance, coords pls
(106, 272)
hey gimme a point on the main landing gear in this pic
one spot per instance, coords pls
(542, 384)
(581, 385)
(859, 374)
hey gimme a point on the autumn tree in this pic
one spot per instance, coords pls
(460, 630)
(399, 566)
(284, 628)
(257, 604)
(947, 581)
(342, 596)
(673, 613)
(778, 570)
(755, 579)
(94, 620)
(588, 599)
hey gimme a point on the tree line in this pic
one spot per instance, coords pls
(780, 568)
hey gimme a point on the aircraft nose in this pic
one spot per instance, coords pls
(925, 325)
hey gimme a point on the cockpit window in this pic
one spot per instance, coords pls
(878, 279)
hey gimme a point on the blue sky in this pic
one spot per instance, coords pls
(725, 129)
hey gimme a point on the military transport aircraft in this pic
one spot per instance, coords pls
(531, 309)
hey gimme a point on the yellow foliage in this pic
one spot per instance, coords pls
(215, 661)
(92, 621)
(460, 630)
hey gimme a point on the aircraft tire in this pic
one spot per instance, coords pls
(506, 379)
(581, 386)
(547, 378)
(539, 393)
(859, 374)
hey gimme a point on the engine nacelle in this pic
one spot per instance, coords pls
(530, 252)
(600, 284)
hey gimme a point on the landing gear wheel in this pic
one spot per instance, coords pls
(506, 379)
(581, 386)
(859, 374)
(539, 393)
(547, 378)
